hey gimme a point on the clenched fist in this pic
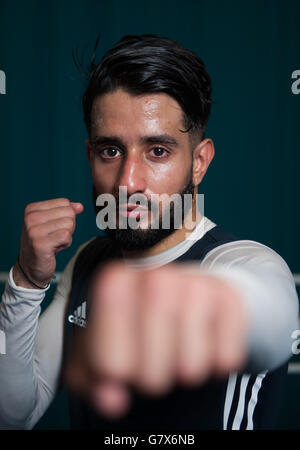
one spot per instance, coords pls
(153, 329)
(47, 229)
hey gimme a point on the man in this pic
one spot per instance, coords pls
(151, 327)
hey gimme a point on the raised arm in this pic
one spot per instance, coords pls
(30, 365)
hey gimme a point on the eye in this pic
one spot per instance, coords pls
(109, 153)
(159, 152)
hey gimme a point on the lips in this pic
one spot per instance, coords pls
(128, 210)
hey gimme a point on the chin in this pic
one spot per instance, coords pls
(137, 240)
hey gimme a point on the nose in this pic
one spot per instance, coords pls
(132, 175)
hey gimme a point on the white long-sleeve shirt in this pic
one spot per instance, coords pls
(31, 366)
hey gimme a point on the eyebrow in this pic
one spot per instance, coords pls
(153, 139)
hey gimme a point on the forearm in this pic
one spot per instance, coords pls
(267, 290)
(19, 312)
(31, 368)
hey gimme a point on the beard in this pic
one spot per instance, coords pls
(141, 239)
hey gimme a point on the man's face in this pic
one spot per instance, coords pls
(137, 144)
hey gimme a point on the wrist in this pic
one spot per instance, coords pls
(21, 280)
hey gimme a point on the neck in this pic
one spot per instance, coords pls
(191, 221)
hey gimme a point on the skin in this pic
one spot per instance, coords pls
(147, 329)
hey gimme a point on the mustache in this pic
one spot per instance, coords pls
(137, 199)
(144, 201)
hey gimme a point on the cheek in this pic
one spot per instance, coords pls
(168, 178)
(103, 180)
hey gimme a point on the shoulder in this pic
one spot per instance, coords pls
(246, 253)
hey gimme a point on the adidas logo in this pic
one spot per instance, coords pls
(79, 316)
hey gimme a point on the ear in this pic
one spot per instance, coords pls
(202, 157)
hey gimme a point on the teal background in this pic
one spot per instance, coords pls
(250, 48)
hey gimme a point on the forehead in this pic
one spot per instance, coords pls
(119, 112)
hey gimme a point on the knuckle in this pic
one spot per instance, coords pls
(69, 212)
(195, 299)
(65, 234)
(26, 224)
(67, 222)
(29, 208)
(32, 232)
(108, 283)
(154, 282)
(27, 220)
(31, 219)
(111, 272)
(153, 385)
(63, 201)
(38, 244)
(159, 290)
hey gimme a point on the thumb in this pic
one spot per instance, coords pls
(77, 207)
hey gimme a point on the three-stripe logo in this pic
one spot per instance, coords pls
(79, 316)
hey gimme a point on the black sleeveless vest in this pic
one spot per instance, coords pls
(183, 408)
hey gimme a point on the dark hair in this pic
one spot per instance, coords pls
(143, 64)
